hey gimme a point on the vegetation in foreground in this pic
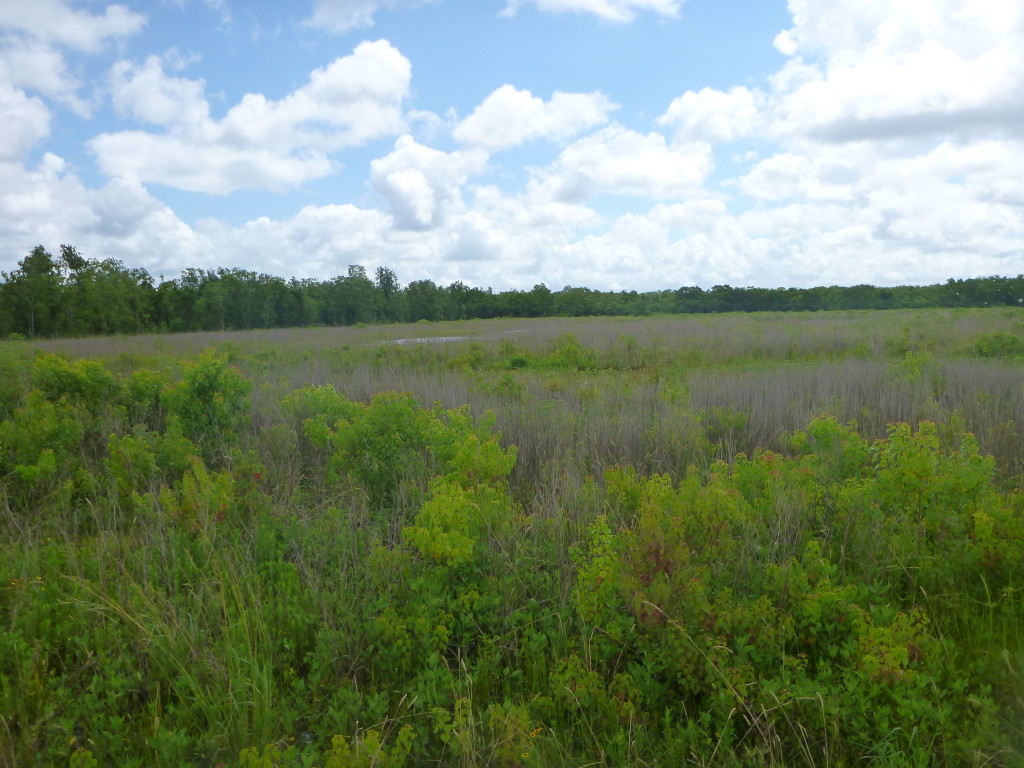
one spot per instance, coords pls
(756, 540)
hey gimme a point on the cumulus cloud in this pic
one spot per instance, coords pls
(508, 117)
(49, 204)
(54, 21)
(328, 238)
(898, 133)
(969, 224)
(36, 34)
(474, 238)
(260, 143)
(26, 120)
(873, 70)
(611, 10)
(853, 213)
(526, 213)
(147, 94)
(40, 68)
(423, 185)
(621, 161)
(788, 175)
(889, 149)
(697, 215)
(711, 115)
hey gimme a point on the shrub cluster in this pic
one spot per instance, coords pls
(323, 581)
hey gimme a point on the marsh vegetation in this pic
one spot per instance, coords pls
(766, 539)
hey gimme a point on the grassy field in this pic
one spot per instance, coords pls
(760, 539)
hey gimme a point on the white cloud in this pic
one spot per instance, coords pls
(54, 21)
(620, 161)
(36, 31)
(50, 205)
(698, 215)
(25, 121)
(474, 238)
(526, 213)
(36, 66)
(629, 250)
(787, 175)
(508, 117)
(342, 16)
(211, 168)
(328, 238)
(883, 70)
(611, 10)
(710, 115)
(857, 213)
(884, 231)
(888, 149)
(423, 185)
(260, 143)
(145, 93)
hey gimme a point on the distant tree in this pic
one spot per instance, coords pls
(386, 281)
(34, 289)
(108, 297)
(309, 295)
(689, 298)
(360, 296)
(575, 302)
(539, 301)
(388, 292)
(211, 311)
(71, 259)
(422, 299)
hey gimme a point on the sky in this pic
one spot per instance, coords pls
(613, 144)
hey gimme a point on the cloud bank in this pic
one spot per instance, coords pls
(887, 147)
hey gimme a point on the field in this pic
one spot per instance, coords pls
(767, 539)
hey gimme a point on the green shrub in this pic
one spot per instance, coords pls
(211, 402)
(1000, 344)
(84, 382)
(41, 454)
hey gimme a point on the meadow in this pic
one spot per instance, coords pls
(764, 539)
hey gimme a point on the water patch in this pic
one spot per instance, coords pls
(431, 339)
(445, 339)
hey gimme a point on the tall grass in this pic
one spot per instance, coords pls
(279, 602)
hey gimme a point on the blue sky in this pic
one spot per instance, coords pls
(617, 144)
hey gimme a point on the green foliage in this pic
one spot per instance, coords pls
(14, 367)
(392, 446)
(83, 382)
(568, 352)
(1000, 344)
(142, 396)
(194, 578)
(662, 591)
(211, 401)
(453, 525)
(71, 295)
(40, 454)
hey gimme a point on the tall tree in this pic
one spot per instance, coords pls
(423, 300)
(388, 288)
(35, 292)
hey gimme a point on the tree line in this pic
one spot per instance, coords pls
(70, 295)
